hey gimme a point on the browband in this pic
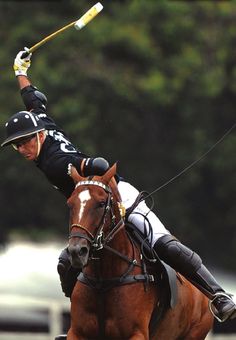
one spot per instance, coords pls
(97, 183)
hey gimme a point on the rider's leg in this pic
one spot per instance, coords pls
(144, 219)
(178, 256)
(189, 264)
(68, 274)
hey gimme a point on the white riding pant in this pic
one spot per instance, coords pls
(141, 213)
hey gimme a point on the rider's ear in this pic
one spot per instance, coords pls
(109, 174)
(73, 173)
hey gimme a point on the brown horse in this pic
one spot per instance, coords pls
(114, 297)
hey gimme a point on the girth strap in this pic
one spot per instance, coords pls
(106, 284)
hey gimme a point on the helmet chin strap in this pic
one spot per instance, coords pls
(38, 145)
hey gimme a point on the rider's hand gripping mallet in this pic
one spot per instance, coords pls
(78, 24)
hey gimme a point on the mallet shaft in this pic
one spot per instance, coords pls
(49, 37)
(80, 23)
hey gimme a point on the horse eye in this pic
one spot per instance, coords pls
(101, 204)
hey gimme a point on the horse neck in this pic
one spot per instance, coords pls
(114, 258)
(107, 263)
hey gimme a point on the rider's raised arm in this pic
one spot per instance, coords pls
(23, 81)
(32, 98)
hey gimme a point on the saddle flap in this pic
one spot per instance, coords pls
(168, 274)
(171, 278)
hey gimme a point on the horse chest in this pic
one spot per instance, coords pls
(111, 315)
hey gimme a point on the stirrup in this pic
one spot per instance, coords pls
(213, 310)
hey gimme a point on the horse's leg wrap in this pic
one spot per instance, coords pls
(68, 274)
(187, 263)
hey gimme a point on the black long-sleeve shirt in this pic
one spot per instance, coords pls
(57, 151)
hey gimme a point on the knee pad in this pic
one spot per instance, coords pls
(177, 255)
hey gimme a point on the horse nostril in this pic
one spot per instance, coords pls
(83, 251)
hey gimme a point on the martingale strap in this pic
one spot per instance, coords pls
(97, 183)
(106, 284)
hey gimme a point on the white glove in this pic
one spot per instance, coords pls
(21, 65)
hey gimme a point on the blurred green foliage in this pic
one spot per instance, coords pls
(150, 84)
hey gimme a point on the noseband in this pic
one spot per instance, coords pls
(98, 241)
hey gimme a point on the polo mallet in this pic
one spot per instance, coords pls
(78, 24)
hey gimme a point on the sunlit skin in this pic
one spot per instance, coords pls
(29, 149)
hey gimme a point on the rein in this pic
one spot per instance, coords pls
(91, 238)
(191, 165)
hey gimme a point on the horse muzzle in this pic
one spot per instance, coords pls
(79, 253)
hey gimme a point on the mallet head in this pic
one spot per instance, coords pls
(88, 16)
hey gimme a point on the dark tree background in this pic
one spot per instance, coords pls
(150, 84)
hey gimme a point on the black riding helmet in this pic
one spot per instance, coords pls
(22, 124)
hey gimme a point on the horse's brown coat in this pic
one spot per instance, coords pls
(124, 312)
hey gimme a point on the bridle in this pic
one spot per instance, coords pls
(99, 240)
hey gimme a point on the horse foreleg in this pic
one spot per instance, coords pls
(136, 336)
(72, 336)
(139, 336)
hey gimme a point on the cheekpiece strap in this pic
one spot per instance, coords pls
(97, 183)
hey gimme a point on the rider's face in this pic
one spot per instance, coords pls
(28, 147)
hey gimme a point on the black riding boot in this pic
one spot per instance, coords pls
(68, 275)
(189, 264)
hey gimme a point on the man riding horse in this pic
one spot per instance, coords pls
(37, 138)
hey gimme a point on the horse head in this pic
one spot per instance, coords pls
(94, 212)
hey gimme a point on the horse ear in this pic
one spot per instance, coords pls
(73, 173)
(109, 174)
